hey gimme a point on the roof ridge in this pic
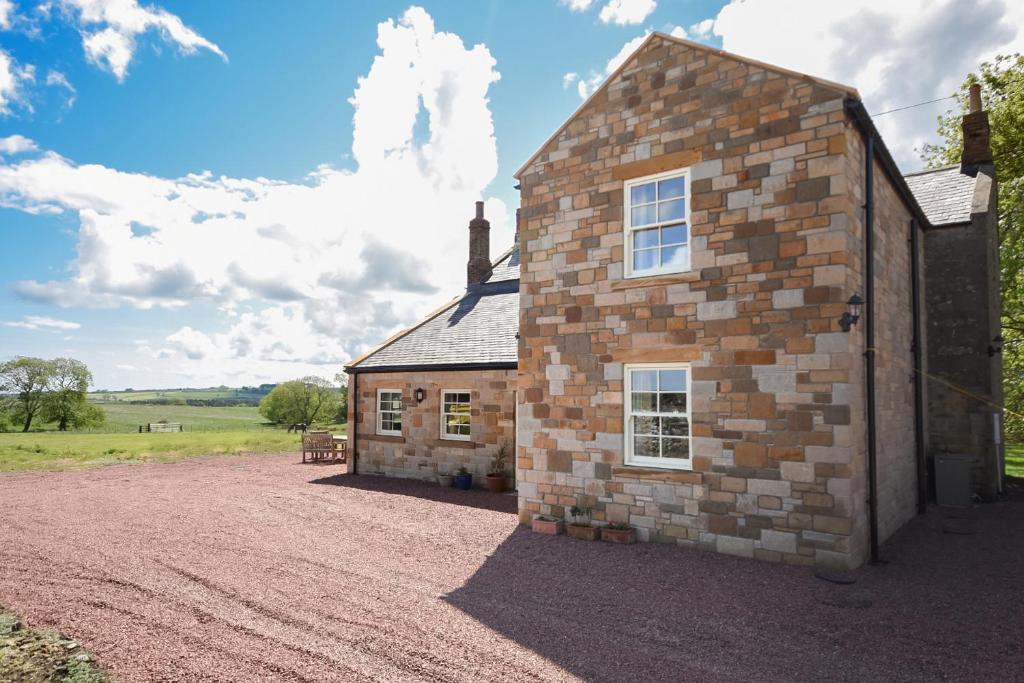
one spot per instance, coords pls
(925, 171)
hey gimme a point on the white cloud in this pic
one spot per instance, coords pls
(13, 78)
(38, 322)
(16, 144)
(6, 14)
(55, 78)
(577, 5)
(110, 29)
(895, 53)
(623, 12)
(703, 29)
(569, 78)
(311, 272)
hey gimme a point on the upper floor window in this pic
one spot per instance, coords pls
(389, 412)
(657, 224)
(657, 413)
(455, 415)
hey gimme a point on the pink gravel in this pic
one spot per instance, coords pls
(259, 568)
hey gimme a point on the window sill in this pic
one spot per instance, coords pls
(452, 443)
(631, 282)
(666, 474)
(387, 438)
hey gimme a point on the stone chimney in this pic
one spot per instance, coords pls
(479, 266)
(977, 139)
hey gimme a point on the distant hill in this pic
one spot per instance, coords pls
(211, 396)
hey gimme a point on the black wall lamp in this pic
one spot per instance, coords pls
(996, 346)
(420, 395)
(852, 314)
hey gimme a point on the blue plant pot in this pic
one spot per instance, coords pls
(464, 481)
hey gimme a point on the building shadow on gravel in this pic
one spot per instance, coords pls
(474, 498)
(648, 612)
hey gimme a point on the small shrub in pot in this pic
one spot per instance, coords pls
(580, 527)
(618, 532)
(463, 479)
(543, 524)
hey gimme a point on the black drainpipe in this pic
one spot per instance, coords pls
(353, 437)
(918, 378)
(869, 341)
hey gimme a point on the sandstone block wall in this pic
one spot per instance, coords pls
(420, 452)
(777, 405)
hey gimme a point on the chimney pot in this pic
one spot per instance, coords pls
(975, 98)
(479, 209)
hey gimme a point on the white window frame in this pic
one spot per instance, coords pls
(380, 414)
(444, 422)
(627, 412)
(628, 228)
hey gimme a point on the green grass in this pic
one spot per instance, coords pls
(1015, 460)
(30, 655)
(173, 394)
(126, 417)
(55, 451)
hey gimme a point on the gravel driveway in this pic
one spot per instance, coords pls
(259, 568)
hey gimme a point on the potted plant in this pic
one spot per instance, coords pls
(445, 479)
(580, 527)
(618, 532)
(496, 475)
(463, 479)
(544, 524)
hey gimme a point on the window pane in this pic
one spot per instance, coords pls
(645, 239)
(645, 260)
(644, 402)
(645, 425)
(675, 256)
(641, 194)
(672, 380)
(644, 380)
(675, 426)
(464, 430)
(674, 234)
(675, 448)
(396, 423)
(673, 187)
(645, 446)
(673, 403)
(644, 215)
(674, 210)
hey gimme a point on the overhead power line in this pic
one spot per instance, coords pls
(911, 106)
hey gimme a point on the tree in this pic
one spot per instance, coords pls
(341, 379)
(1002, 87)
(26, 380)
(307, 401)
(65, 401)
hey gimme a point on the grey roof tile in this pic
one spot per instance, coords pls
(945, 194)
(479, 328)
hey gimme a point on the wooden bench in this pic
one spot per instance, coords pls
(322, 446)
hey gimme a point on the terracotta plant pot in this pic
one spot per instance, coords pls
(618, 535)
(583, 532)
(495, 483)
(548, 526)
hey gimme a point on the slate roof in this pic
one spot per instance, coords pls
(945, 194)
(478, 329)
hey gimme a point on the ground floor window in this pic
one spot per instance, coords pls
(657, 414)
(389, 412)
(455, 414)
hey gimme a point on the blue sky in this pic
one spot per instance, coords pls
(116, 254)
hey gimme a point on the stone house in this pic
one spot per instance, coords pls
(441, 394)
(692, 357)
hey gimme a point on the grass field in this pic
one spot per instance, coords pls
(175, 394)
(126, 417)
(1015, 460)
(54, 451)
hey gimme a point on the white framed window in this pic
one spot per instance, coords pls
(657, 413)
(389, 412)
(657, 224)
(455, 415)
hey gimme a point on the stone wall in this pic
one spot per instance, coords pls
(962, 271)
(777, 406)
(420, 453)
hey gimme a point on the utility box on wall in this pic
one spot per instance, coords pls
(953, 480)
